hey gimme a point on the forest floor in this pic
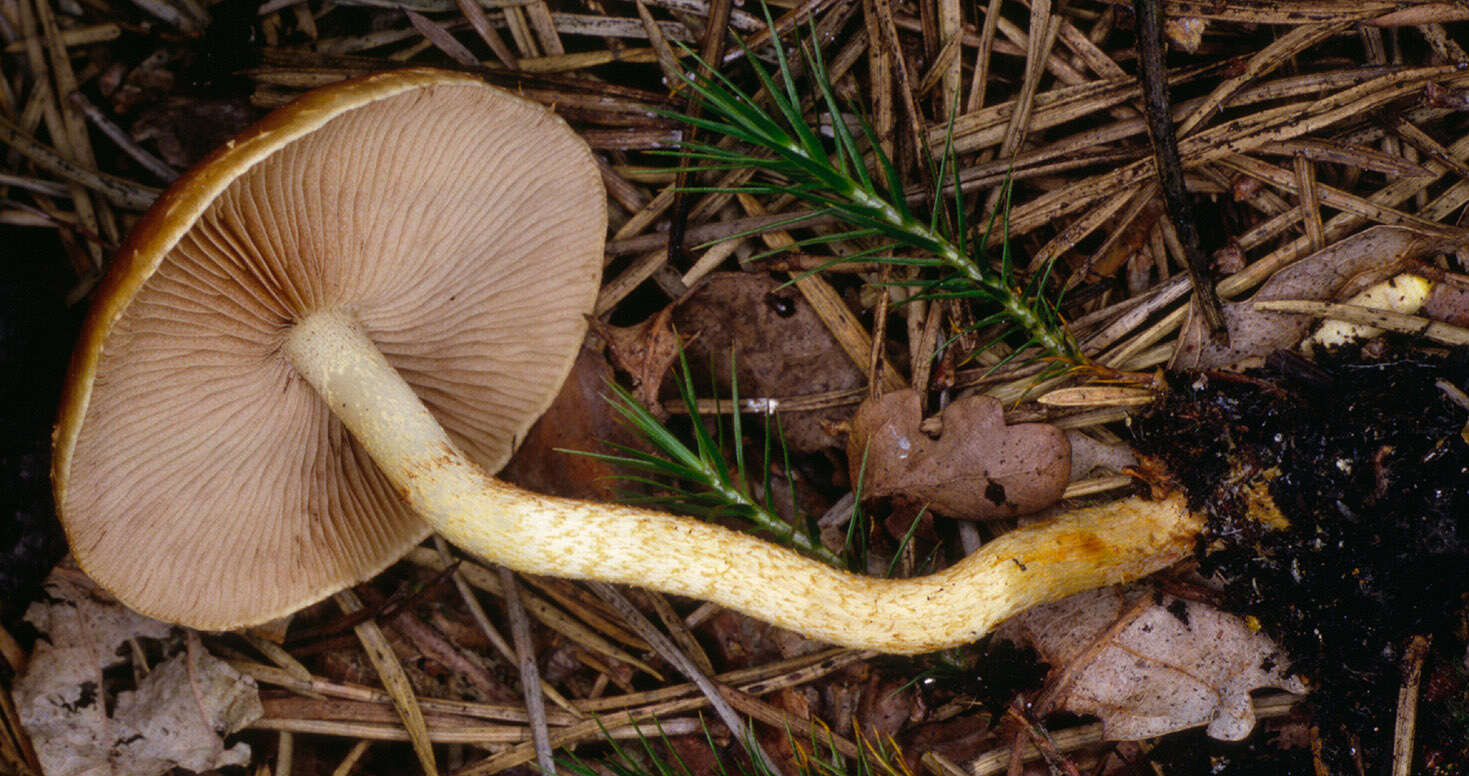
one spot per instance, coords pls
(1314, 160)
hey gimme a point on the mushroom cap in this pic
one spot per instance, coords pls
(198, 476)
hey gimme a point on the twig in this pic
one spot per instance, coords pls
(278, 655)
(994, 762)
(530, 674)
(502, 712)
(1043, 28)
(1170, 166)
(77, 36)
(169, 14)
(11, 653)
(796, 727)
(756, 680)
(1438, 331)
(440, 38)
(798, 14)
(1310, 201)
(353, 756)
(481, 619)
(549, 615)
(53, 73)
(1041, 739)
(481, 24)
(679, 631)
(284, 753)
(478, 734)
(38, 185)
(434, 646)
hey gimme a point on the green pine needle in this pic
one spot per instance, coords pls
(698, 480)
(833, 176)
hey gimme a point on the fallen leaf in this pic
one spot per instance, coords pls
(579, 419)
(978, 468)
(886, 706)
(1336, 271)
(781, 349)
(1149, 664)
(175, 720)
(695, 753)
(1448, 302)
(958, 739)
(644, 351)
(172, 719)
(1088, 455)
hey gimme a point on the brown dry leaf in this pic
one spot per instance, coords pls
(173, 719)
(958, 739)
(1448, 302)
(781, 348)
(1149, 664)
(887, 704)
(978, 468)
(579, 419)
(1338, 270)
(644, 351)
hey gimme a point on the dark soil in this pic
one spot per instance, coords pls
(36, 332)
(1366, 456)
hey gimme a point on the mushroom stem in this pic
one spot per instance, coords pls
(562, 537)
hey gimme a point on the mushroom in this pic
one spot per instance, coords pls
(321, 340)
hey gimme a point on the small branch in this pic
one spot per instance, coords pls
(530, 675)
(1153, 73)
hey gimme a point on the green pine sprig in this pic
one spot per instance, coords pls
(703, 480)
(834, 178)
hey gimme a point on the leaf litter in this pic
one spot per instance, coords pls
(977, 468)
(1149, 664)
(760, 332)
(1316, 81)
(81, 720)
(1345, 268)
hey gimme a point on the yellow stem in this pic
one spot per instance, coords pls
(562, 537)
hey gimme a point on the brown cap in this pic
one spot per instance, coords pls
(198, 476)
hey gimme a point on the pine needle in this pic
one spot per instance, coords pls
(703, 480)
(833, 175)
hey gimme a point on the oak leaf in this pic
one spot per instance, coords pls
(1149, 664)
(977, 468)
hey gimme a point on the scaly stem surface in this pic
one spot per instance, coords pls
(568, 538)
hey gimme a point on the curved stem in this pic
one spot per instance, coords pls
(562, 537)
